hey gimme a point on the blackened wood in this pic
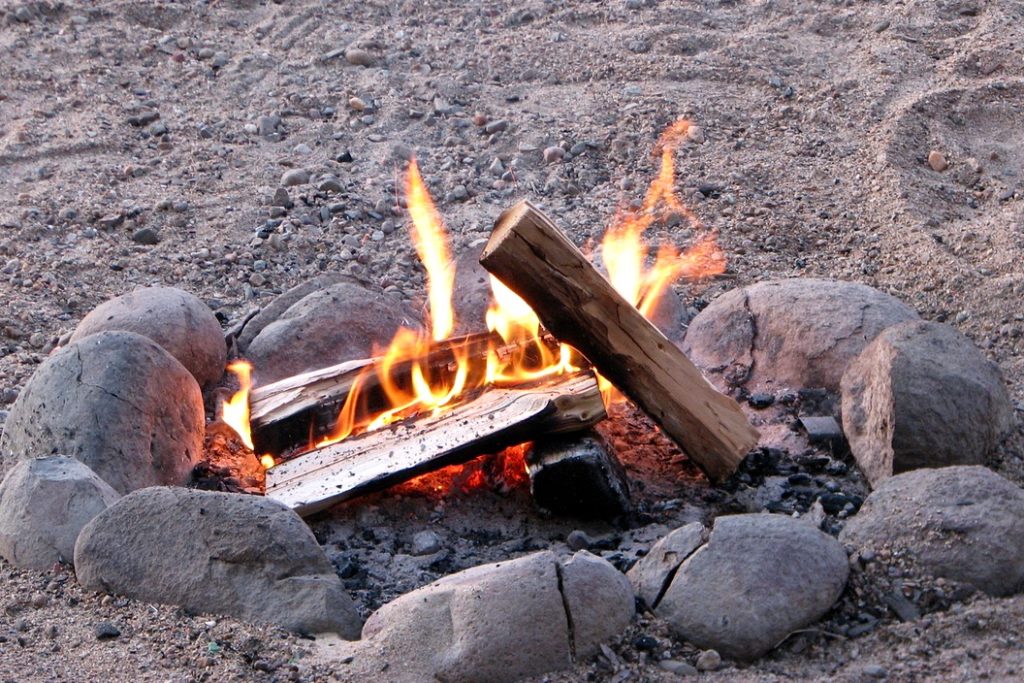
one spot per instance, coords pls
(578, 476)
(494, 420)
(528, 253)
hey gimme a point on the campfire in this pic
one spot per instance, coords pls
(563, 340)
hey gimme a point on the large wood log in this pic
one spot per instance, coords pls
(494, 420)
(530, 255)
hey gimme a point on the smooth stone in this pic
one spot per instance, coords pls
(295, 176)
(651, 574)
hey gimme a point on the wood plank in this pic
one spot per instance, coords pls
(528, 253)
(496, 419)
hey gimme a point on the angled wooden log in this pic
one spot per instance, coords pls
(530, 255)
(496, 419)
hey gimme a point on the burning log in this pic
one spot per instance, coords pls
(578, 476)
(529, 254)
(496, 419)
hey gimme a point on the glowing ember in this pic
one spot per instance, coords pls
(234, 412)
(267, 461)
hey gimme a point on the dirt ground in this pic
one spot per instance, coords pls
(818, 119)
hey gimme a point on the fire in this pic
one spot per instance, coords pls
(407, 374)
(234, 412)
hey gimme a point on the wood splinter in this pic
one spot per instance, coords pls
(530, 255)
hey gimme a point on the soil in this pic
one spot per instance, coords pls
(818, 120)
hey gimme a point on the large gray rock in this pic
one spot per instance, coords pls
(276, 308)
(495, 623)
(342, 322)
(922, 395)
(789, 333)
(650, 576)
(176, 320)
(44, 504)
(223, 553)
(758, 578)
(117, 402)
(960, 523)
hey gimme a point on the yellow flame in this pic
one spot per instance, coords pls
(234, 412)
(267, 461)
(428, 236)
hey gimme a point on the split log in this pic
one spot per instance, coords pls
(530, 255)
(496, 419)
(293, 411)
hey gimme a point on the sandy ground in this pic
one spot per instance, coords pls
(818, 120)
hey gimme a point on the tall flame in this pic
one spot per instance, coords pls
(428, 236)
(235, 410)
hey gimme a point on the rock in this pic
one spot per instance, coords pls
(267, 125)
(106, 631)
(709, 660)
(789, 333)
(359, 57)
(222, 553)
(677, 667)
(282, 303)
(577, 539)
(782, 575)
(650, 576)
(494, 623)
(962, 523)
(330, 184)
(425, 542)
(295, 176)
(553, 154)
(325, 327)
(44, 503)
(578, 476)
(599, 599)
(146, 236)
(117, 402)
(472, 290)
(176, 320)
(922, 395)
(937, 161)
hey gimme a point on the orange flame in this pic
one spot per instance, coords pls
(428, 236)
(234, 412)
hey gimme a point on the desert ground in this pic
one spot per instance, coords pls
(818, 120)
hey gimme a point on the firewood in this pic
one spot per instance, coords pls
(529, 254)
(496, 419)
(287, 413)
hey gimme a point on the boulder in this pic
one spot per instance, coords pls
(44, 503)
(651, 575)
(922, 395)
(329, 326)
(962, 523)
(222, 553)
(758, 578)
(797, 333)
(600, 600)
(117, 402)
(276, 308)
(495, 623)
(176, 320)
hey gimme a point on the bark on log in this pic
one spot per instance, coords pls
(529, 254)
(496, 419)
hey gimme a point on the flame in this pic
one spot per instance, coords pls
(408, 379)
(234, 412)
(428, 236)
(625, 252)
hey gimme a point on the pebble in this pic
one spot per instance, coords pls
(358, 57)
(281, 198)
(677, 667)
(267, 125)
(40, 600)
(205, 53)
(330, 184)
(302, 148)
(577, 540)
(106, 631)
(460, 193)
(495, 126)
(553, 154)
(875, 671)
(220, 60)
(695, 134)
(358, 103)
(709, 660)
(496, 168)
(937, 161)
(425, 542)
(146, 236)
(296, 176)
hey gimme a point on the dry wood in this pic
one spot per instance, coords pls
(494, 420)
(285, 413)
(580, 307)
